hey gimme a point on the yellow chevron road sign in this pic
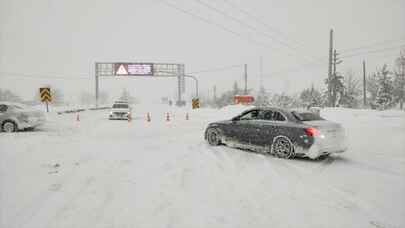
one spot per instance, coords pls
(45, 94)
(195, 103)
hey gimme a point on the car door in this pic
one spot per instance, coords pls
(3, 110)
(243, 128)
(273, 124)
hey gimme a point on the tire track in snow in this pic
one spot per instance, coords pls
(346, 200)
(308, 177)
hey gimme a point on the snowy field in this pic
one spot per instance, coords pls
(119, 174)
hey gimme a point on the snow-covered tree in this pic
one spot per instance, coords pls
(262, 98)
(236, 90)
(399, 80)
(385, 92)
(336, 85)
(372, 89)
(311, 97)
(285, 101)
(352, 91)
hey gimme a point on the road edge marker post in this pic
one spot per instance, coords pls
(129, 117)
(167, 117)
(148, 118)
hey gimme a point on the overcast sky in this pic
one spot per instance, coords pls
(43, 39)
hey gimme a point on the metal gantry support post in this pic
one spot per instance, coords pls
(97, 83)
(179, 90)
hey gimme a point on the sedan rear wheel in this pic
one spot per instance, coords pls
(282, 147)
(213, 137)
(9, 126)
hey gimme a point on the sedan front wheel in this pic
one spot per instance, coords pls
(213, 137)
(9, 126)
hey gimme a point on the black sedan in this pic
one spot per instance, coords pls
(280, 132)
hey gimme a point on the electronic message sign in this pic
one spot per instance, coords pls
(133, 69)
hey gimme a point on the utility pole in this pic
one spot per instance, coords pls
(261, 72)
(402, 63)
(245, 79)
(333, 81)
(364, 83)
(330, 67)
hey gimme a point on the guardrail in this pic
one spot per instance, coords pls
(81, 110)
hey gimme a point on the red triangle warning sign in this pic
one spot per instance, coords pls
(122, 70)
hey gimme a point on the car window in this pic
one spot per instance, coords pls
(277, 116)
(306, 116)
(252, 115)
(267, 115)
(273, 116)
(3, 108)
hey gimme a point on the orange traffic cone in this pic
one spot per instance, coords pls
(77, 117)
(187, 117)
(167, 117)
(129, 117)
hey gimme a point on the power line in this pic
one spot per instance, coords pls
(171, 5)
(321, 62)
(41, 76)
(241, 22)
(295, 68)
(372, 45)
(216, 69)
(374, 51)
(259, 21)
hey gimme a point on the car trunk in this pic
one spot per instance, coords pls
(332, 134)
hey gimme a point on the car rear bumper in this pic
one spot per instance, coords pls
(118, 117)
(323, 147)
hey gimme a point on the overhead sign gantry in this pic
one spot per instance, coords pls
(113, 69)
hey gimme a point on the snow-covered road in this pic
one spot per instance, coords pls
(113, 174)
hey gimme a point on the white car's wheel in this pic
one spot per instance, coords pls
(282, 147)
(9, 126)
(213, 137)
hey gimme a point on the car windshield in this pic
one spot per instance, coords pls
(120, 106)
(306, 116)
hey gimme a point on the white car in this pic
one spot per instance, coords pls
(120, 111)
(15, 116)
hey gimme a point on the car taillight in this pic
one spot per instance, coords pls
(312, 131)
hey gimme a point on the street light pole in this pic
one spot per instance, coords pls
(196, 83)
